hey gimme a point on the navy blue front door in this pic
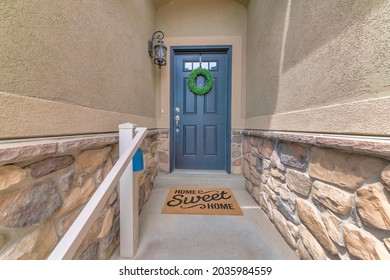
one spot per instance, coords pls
(199, 122)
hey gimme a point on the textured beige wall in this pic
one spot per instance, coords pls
(204, 22)
(90, 53)
(323, 66)
(201, 18)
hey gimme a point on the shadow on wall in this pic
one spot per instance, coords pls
(266, 20)
(312, 25)
(310, 62)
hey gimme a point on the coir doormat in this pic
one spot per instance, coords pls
(201, 201)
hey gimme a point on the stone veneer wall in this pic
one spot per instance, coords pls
(44, 185)
(328, 197)
(236, 151)
(236, 157)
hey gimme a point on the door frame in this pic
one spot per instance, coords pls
(174, 50)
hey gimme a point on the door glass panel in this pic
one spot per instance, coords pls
(196, 65)
(187, 66)
(213, 65)
(205, 65)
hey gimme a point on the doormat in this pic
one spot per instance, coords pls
(201, 201)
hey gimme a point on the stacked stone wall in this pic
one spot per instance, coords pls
(45, 184)
(328, 197)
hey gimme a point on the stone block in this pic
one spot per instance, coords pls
(311, 218)
(91, 236)
(246, 146)
(11, 175)
(263, 164)
(236, 170)
(163, 168)
(145, 145)
(163, 157)
(84, 143)
(26, 152)
(387, 243)
(21, 247)
(30, 205)
(340, 202)
(89, 161)
(385, 176)
(63, 223)
(3, 240)
(275, 161)
(90, 253)
(373, 206)
(293, 229)
(281, 225)
(45, 244)
(236, 150)
(107, 223)
(270, 192)
(112, 198)
(153, 171)
(274, 184)
(255, 175)
(277, 174)
(288, 196)
(249, 186)
(77, 197)
(254, 141)
(266, 204)
(107, 168)
(110, 242)
(50, 165)
(298, 182)
(333, 226)
(343, 169)
(293, 155)
(363, 245)
(153, 147)
(266, 147)
(163, 144)
(311, 244)
(66, 181)
(303, 253)
(286, 211)
(246, 169)
(237, 162)
(115, 151)
(237, 139)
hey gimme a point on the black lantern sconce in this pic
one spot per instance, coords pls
(158, 49)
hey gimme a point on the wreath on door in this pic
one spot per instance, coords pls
(192, 81)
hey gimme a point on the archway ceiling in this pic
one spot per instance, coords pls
(159, 3)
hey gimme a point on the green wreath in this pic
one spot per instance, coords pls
(192, 81)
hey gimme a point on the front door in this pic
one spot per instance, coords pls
(200, 122)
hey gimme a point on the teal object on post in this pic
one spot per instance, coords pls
(138, 161)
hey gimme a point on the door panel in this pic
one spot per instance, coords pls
(200, 137)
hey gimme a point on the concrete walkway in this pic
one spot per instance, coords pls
(197, 237)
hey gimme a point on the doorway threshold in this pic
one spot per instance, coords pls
(199, 172)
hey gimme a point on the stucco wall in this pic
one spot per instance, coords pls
(319, 66)
(204, 22)
(89, 53)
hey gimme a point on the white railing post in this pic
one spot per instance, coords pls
(128, 198)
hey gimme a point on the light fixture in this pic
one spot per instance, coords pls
(159, 50)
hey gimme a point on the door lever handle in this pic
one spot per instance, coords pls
(177, 119)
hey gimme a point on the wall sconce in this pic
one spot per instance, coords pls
(160, 51)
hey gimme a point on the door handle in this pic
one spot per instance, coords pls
(177, 119)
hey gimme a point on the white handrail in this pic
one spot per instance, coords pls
(72, 239)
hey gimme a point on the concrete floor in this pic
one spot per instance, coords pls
(198, 237)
